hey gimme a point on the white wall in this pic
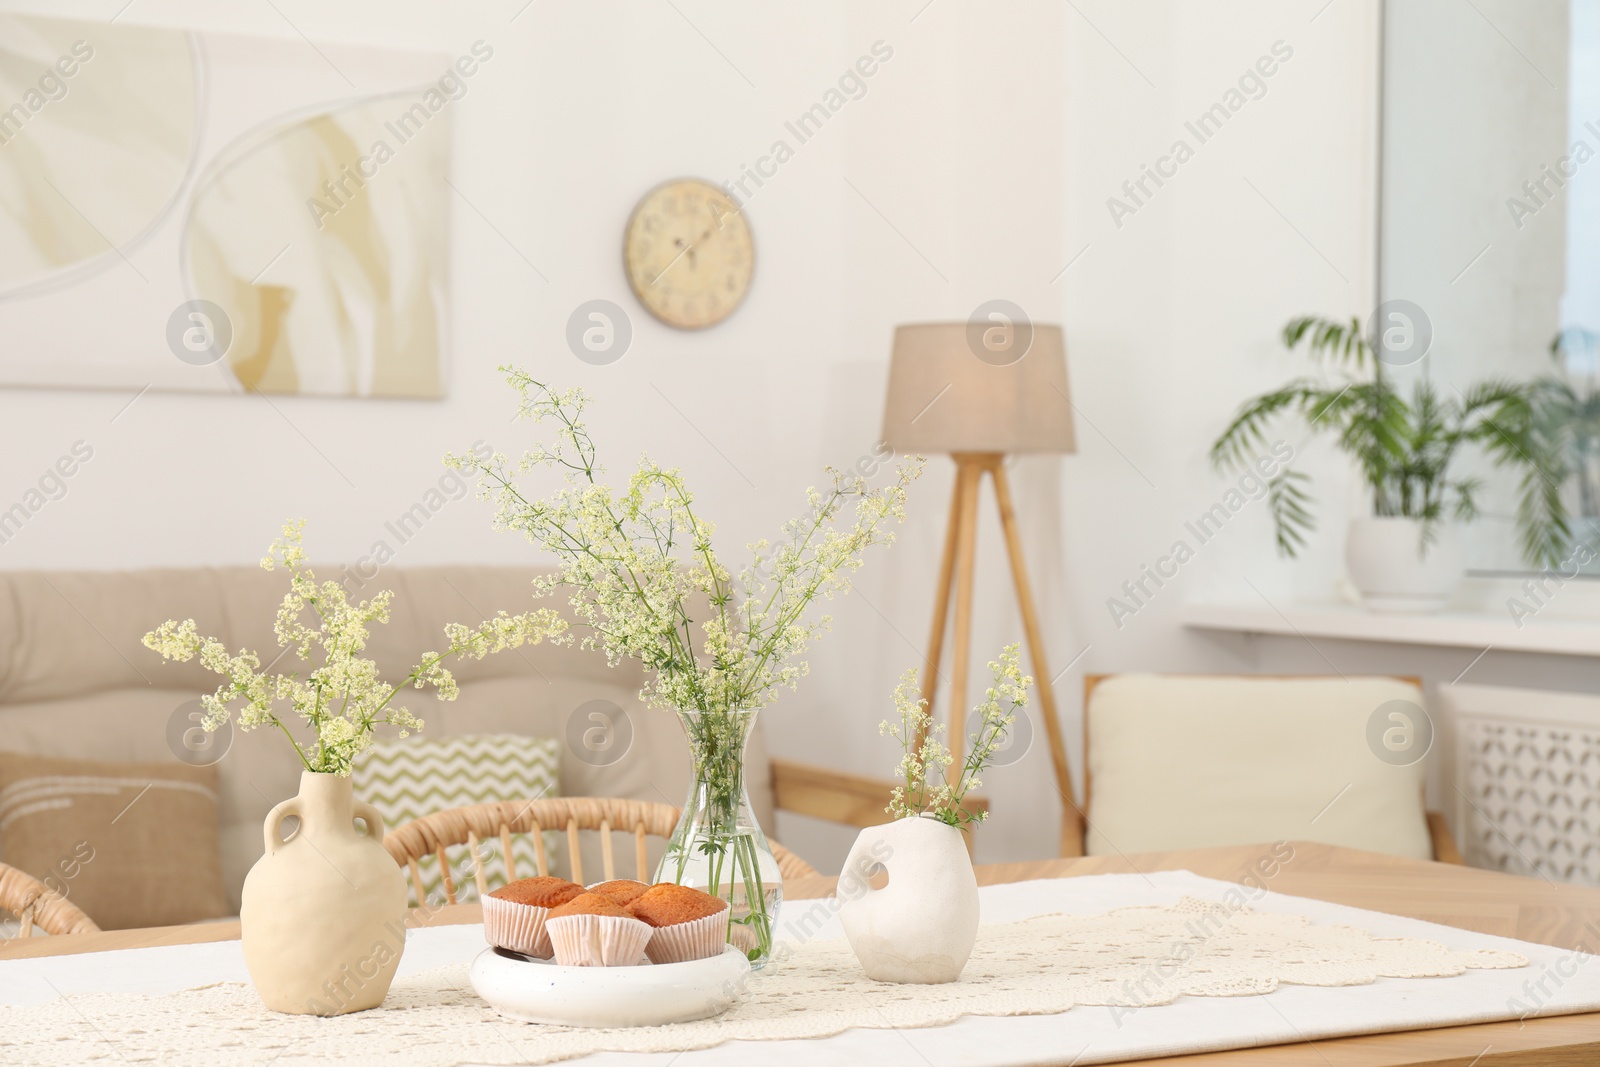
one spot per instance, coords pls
(984, 152)
(1468, 119)
(1580, 304)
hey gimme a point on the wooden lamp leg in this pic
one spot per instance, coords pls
(941, 597)
(971, 474)
(1071, 817)
(960, 553)
(957, 568)
(961, 640)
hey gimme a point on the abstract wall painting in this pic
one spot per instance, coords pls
(278, 222)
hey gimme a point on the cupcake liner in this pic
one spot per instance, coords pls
(598, 940)
(518, 927)
(696, 939)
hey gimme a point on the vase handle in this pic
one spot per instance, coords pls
(869, 851)
(275, 817)
(369, 815)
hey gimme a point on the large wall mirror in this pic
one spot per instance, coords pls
(1490, 222)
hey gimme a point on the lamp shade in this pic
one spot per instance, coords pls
(978, 387)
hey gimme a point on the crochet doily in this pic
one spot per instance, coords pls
(1131, 957)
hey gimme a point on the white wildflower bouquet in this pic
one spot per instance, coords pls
(928, 788)
(632, 562)
(341, 698)
(639, 569)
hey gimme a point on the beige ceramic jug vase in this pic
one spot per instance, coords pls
(323, 919)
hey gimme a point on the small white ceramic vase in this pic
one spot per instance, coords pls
(920, 927)
(323, 918)
(1393, 573)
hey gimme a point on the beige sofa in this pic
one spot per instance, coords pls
(76, 682)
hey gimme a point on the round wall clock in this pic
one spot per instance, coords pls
(688, 254)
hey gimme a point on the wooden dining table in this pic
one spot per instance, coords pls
(1529, 909)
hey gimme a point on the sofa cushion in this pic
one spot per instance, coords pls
(1196, 761)
(255, 772)
(407, 779)
(132, 844)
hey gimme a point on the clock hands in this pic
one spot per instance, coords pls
(690, 250)
(686, 249)
(678, 221)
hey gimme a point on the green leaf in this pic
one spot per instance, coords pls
(1289, 505)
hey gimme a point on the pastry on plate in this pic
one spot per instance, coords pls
(689, 924)
(514, 915)
(591, 930)
(622, 890)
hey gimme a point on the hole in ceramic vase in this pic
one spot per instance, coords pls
(288, 827)
(361, 827)
(862, 875)
(877, 875)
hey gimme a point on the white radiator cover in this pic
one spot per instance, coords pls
(1527, 780)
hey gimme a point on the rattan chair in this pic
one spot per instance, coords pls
(36, 904)
(433, 835)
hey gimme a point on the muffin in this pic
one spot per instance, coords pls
(689, 924)
(514, 915)
(622, 890)
(591, 930)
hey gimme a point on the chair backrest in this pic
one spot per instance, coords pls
(37, 905)
(1191, 761)
(433, 835)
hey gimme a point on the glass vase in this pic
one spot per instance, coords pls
(717, 845)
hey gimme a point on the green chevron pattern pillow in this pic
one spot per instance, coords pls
(418, 776)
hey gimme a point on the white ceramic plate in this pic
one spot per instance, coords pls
(537, 991)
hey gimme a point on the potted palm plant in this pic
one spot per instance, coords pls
(1402, 557)
(1571, 419)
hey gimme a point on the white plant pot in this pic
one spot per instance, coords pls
(920, 927)
(1390, 569)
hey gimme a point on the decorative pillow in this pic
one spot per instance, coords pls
(418, 776)
(1181, 761)
(132, 844)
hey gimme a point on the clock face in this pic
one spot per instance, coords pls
(688, 254)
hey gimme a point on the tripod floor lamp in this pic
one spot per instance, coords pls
(981, 391)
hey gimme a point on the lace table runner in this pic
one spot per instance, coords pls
(1130, 960)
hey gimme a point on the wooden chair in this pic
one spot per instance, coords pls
(1444, 846)
(433, 835)
(36, 904)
